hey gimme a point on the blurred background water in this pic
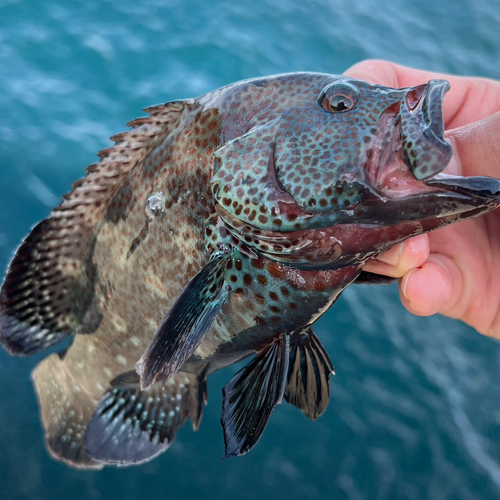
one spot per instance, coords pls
(415, 406)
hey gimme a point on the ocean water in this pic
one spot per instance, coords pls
(415, 405)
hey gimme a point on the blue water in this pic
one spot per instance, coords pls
(415, 406)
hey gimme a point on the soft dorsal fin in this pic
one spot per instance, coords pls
(37, 296)
(251, 395)
(185, 324)
(130, 426)
(309, 370)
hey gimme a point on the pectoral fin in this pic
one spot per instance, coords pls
(251, 395)
(308, 381)
(186, 323)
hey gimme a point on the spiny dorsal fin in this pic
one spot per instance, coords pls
(37, 296)
(185, 324)
(308, 381)
(251, 395)
(130, 426)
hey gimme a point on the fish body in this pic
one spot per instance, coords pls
(218, 228)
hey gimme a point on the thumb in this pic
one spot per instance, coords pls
(476, 148)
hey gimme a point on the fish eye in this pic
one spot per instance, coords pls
(338, 98)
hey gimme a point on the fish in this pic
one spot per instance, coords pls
(216, 229)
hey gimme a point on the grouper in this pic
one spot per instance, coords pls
(216, 229)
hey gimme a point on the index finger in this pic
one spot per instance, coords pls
(470, 98)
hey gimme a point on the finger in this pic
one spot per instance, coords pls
(470, 99)
(476, 148)
(469, 253)
(400, 259)
(439, 286)
(374, 71)
(432, 288)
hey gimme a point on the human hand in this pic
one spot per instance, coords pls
(456, 270)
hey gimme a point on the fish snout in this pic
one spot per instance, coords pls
(424, 149)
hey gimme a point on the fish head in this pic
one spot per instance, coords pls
(343, 152)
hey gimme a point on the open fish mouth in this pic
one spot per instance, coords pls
(404, 199)
(406, 160)
(409, 146)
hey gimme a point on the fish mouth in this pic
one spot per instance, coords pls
(401, 198)
(409, 146)
(406, 160)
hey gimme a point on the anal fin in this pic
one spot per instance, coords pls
(131, 426)
(184, 326)
(251, 396)
(308, 381)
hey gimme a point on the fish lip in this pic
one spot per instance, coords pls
(478, 187)
(440, 198)
(433, 109)
(425, 150)
(427, 99)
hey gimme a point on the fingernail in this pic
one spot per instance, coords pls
(392, 255)
(404, 283)
(453, 167)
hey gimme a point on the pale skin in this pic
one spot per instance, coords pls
(454, 271)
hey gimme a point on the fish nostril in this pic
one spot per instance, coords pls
(415, 95)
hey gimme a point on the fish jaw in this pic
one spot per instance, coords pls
(449, 199)
(439, 197)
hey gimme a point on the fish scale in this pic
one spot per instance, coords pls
(219, 228)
